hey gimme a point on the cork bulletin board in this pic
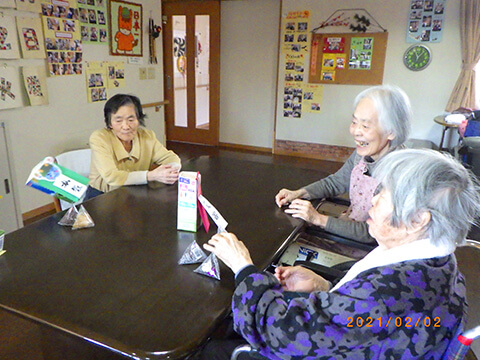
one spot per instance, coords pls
(348, 58)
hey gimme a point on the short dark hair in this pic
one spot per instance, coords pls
(119, 100)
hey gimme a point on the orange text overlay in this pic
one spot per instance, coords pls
(407, 322)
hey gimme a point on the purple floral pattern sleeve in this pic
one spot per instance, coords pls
(424, 300)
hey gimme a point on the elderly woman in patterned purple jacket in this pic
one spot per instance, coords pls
(380, 124)
(404, 300)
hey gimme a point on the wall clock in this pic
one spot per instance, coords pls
(417, 57)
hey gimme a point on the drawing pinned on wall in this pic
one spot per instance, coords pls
(35, 81)
(7, 3)
(125, 25)
(8, 38)
(29, 5)
(9, 88)
(31, 38)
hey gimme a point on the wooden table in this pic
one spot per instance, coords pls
(115, 290)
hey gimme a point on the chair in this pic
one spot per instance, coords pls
(459, 347)
(75, 160)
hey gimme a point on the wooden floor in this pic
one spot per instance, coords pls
(20, 339)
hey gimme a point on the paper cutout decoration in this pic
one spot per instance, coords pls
(8, 38)
(193, 254)
(69, 218)
(31, 38)
(29, 5)
(7, 3)
(209, 267)
(83, 220)
(9, 88)
(35, 80)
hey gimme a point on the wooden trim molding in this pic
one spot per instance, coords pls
(245, 147)
(38, 212)
(312, 150)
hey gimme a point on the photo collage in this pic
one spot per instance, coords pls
(92, 15)
(62, 39)
(425, 20)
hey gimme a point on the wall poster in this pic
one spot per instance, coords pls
(29, 5)
(9, 88)
(35, 80)
(92, 15)
(96, 77)
(31, 38)
(8, 38)
(425, 20)
(125, 23)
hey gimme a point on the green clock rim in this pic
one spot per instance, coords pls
(405, 55)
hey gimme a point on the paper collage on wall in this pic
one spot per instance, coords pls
(125, 28)
(31, 38)
(9, 88)
(96, 76)
(92, 15)
(334, 56)
(116, 74)
(8, 38)
(361, 50)
(296, 44)
(29, 5)
(425, 20)
(62, 38)
(35, 80)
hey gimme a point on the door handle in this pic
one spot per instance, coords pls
(7, 186)
(169, 82)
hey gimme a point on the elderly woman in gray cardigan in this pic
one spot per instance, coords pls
(380, 124)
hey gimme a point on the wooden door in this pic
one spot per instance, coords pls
(8, 212)
(192, 70)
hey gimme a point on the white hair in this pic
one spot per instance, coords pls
(428, 180)
(393, 109)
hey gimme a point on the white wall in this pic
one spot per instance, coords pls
(248, 63)
(67, 122)
(429, 89)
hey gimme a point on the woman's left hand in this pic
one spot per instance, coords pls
(230, 250)
(304, 209)
(167, 174)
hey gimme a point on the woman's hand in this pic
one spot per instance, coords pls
(285, 196)
(299, 279)
(167, 174)
(304, 209)
(230, 250)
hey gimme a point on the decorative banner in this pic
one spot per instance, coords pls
(425, 20)
(31, 38)
(9, 88)
(7, 3)
(29, 5)
(92, 15)
(116, 74)
(8, 38)
(126, 21)
(96, 76)
(361, 50)
(35, 81)
(62, 39)
(295, 34)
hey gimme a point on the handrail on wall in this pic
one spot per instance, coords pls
(156, 105)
